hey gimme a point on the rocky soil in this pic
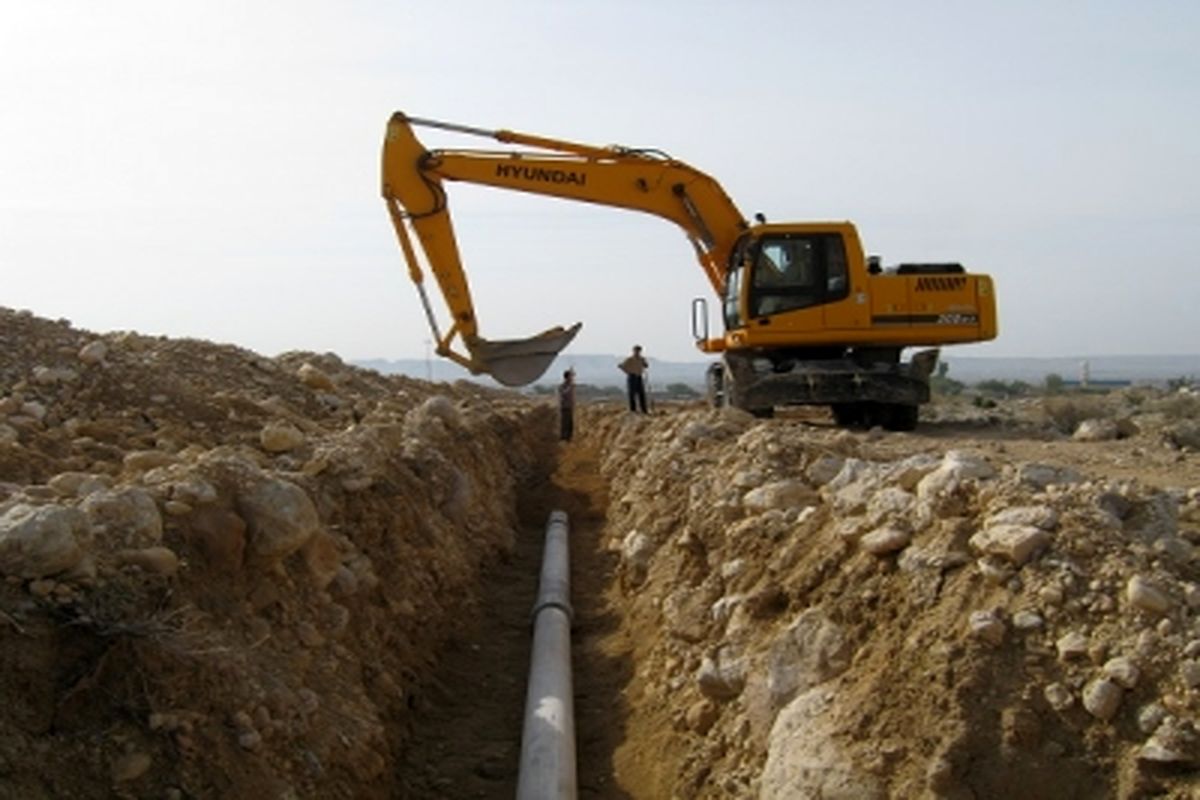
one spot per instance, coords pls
(232, 576)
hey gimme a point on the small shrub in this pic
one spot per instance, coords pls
(947, 387)
(1179, 406)
(999, 388)
(1065, 413)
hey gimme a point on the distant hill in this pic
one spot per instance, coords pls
(601, 370)
(597, 370)
(1135, 369)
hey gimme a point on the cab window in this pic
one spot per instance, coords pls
(794, 271)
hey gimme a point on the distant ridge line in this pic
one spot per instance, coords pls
(601, 370)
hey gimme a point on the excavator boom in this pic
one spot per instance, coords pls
(640, 180)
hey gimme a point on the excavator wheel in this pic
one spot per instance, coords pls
(848, 415)
(889, 416)
(714, 382)
(899, 416)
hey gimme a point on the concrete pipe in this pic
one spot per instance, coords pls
(547, 769)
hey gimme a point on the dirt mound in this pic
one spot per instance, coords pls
(228, 575)
(818, 613)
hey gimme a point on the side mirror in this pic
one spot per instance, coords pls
(699, 319)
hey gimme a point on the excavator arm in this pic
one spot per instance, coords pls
(639, 180)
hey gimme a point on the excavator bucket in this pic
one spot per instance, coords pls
(517, 362)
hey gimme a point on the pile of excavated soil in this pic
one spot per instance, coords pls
(232, 576)
(980, 609)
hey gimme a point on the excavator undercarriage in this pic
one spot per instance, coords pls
(860, 393)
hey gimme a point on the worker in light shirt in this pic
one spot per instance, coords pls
(635, 368)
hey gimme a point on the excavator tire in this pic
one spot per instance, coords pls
(889, 416)
(848, 415)
(714, 382)
(900, 417)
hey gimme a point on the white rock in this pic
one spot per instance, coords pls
(193, 490)
(50, 376)
(1144, 595)
(780, 494)
(721, 676)
(824, 469)
(747, 478)
(93, 352)
(1122, 670)
(1072, 645)
(886, 540)
(78, 484)
(1096, 430)
(1027, 620)
(957, 466)
(38, 541)
(131, 766)
(1102, 697)
(994, 570)
(1016, 543)
(890, 503)
(313, 377)
(986, 626)
(279, 437)
(853, 470)
(812, 650)
(1189, 671)
(280, 518)
(1150, 716)
(637, 551)
(126, 516)
(156, 560)
(1042, 517)
(34, 409)
(807, 758)
(145, 460)
(1040, 476)
(1173, 742)
(1058, 696)
(907, 473)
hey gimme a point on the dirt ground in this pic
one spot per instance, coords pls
(234, 576)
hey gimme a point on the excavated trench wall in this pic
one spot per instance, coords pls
(226, 575)
(819, 613)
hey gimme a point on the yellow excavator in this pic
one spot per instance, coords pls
(808, 318)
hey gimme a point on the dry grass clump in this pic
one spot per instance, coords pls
(1065, 412)
(1178, 406)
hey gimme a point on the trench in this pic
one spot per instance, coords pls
(465, 737)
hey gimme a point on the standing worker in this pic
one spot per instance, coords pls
(635, 368)
(566, 406)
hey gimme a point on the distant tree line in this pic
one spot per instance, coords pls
(587, 391)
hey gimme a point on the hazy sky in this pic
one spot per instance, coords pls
(211, 169)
